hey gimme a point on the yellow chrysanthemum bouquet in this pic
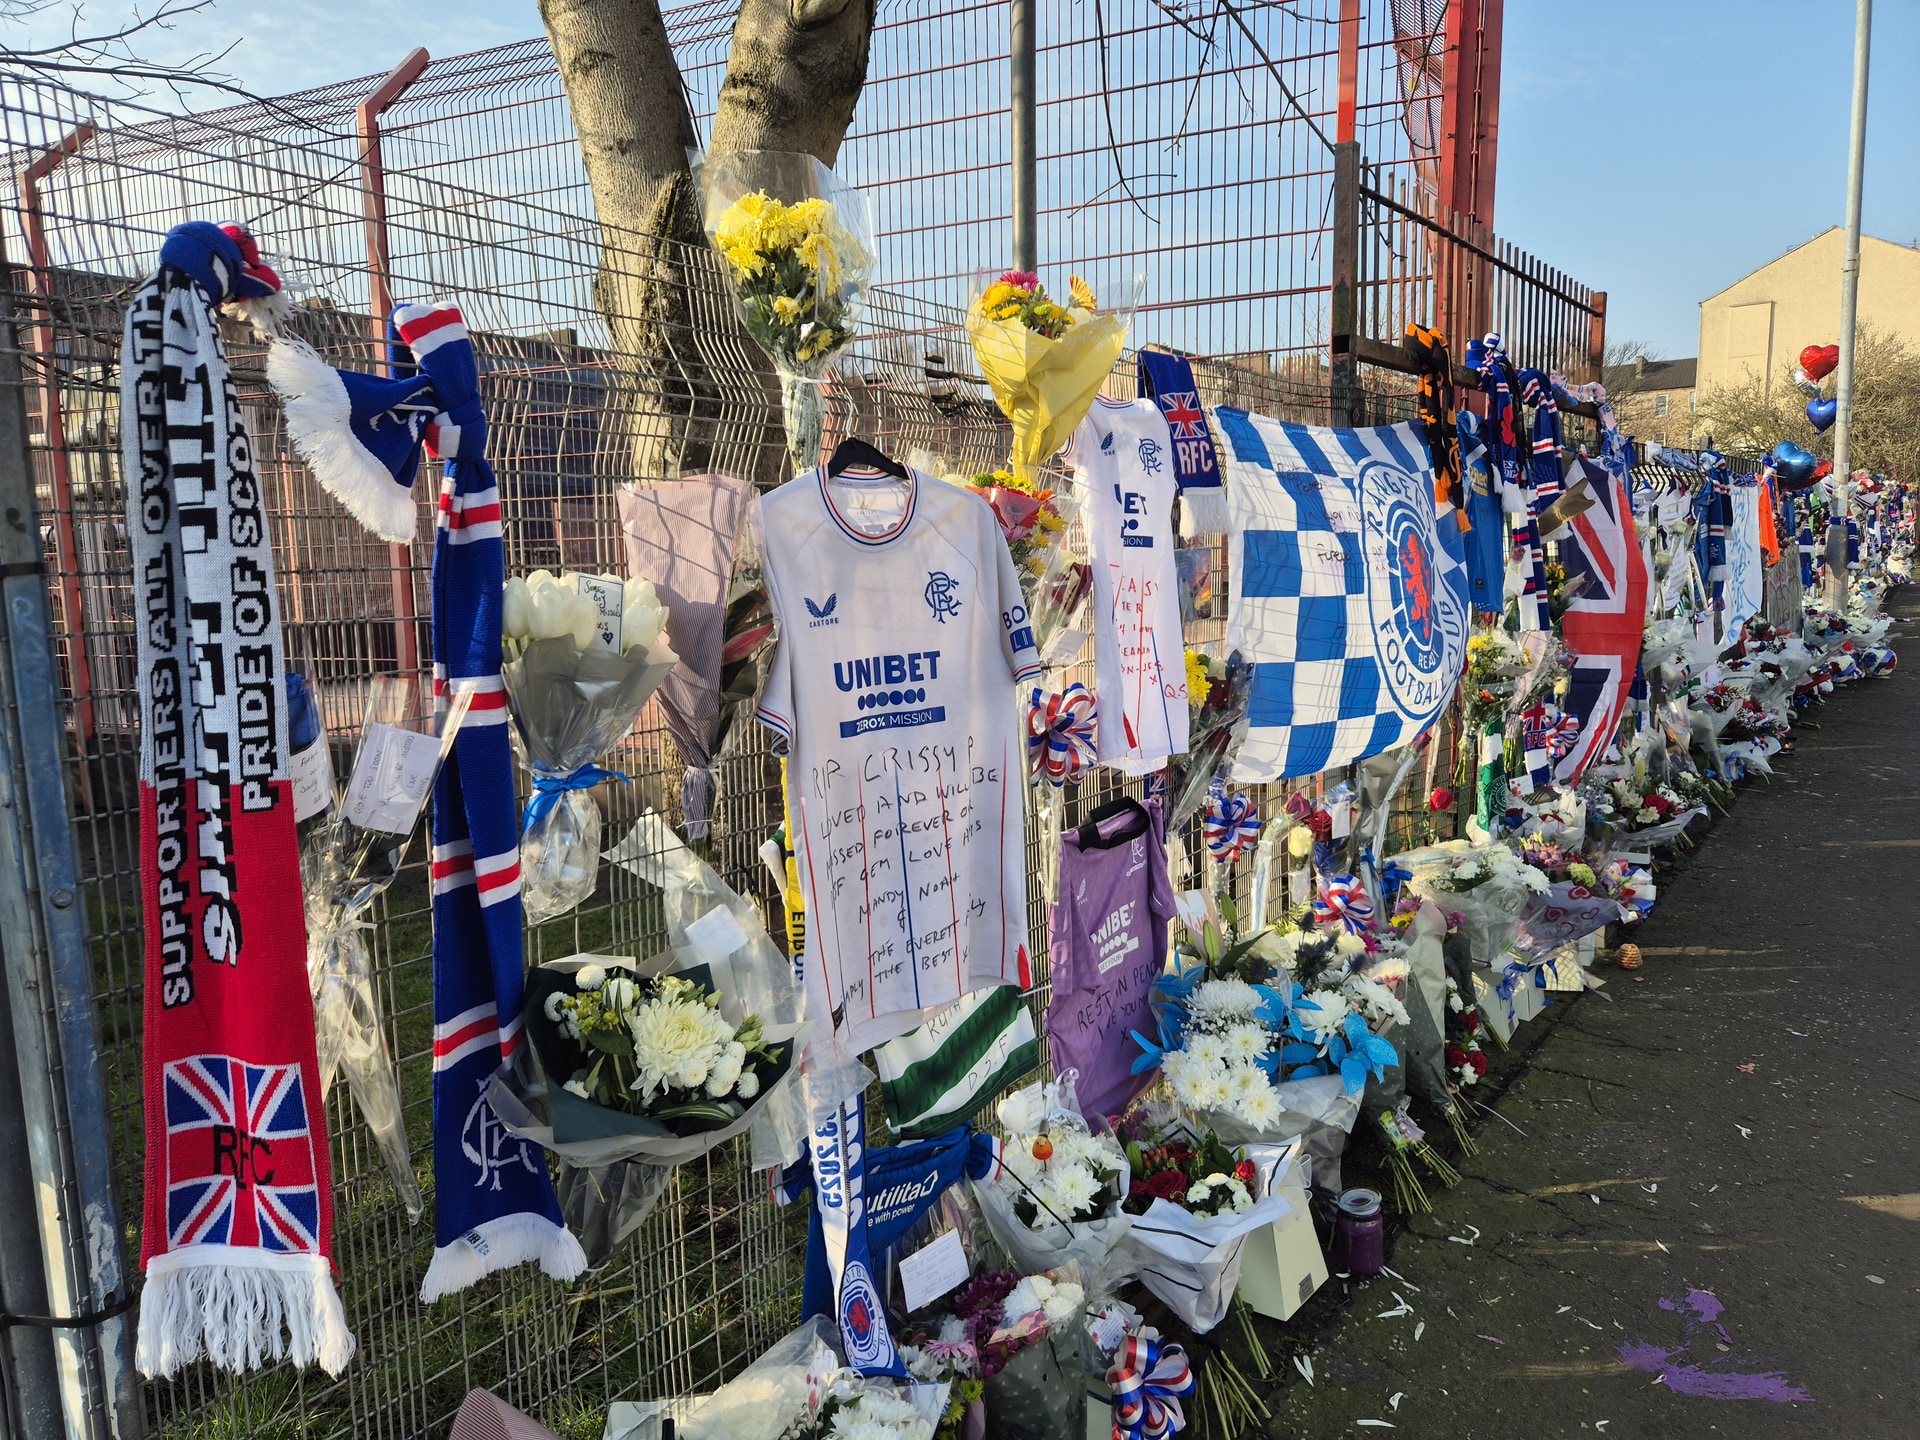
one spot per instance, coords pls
(799, 251)
(1045, 361)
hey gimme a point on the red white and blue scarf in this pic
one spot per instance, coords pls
(239, 1213)
(494, 1205)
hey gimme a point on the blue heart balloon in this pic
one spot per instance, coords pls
(1821, 413)
(1792, 465)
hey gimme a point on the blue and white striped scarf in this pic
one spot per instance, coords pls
(494, 1205)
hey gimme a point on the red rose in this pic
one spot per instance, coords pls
(1441, 799)
(1243, 1172)
(1470, 1021)
(1321, 824)
(1477, 1059)
(1456, 1057)
(1164, 1185)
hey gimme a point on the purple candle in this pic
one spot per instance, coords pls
(1360, 1233)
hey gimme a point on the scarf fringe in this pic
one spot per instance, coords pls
(504, 1242)
(269, 315)
(1203, 511)
(318, 417)
(240, 1309)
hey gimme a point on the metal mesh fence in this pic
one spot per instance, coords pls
(485, 202)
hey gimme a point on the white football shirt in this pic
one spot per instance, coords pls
(892, 692)
(1122, 456)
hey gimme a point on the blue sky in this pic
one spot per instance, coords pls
(1694, 141)
(1654, 149)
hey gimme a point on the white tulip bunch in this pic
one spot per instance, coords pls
(545, 606)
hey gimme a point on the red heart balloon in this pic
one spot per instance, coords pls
(1820, 361)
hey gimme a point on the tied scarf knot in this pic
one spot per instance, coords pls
(1231, 825)
(1345, 899)
(1060, 731)
(1148, 1379)
(547, 790)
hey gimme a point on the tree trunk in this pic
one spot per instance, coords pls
(793, 77)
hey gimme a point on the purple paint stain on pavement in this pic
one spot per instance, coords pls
(1692, 1380)
(1706, 1305)
(1708, 1384)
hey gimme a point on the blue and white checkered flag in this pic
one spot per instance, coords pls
(1352, 596)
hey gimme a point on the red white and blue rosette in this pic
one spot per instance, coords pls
(1149, 1378)
(1060, 734)
(1562, 730)
(1345, 899)
(1230, 822)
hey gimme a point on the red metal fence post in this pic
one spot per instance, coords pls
(53, 426)
(1348, 115)
(373, 186)
(1597, 335)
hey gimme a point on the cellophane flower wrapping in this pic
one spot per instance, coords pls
(349, 854)
(1192, 1261)
(1039, 1394)
(800, 1390)
(756, 978)
(1045, 361)
(1487, 885)
(1035, 517)
(1018, 1335)
(1073, 1221)
(617, 1163)
(577, 677)
(797, 246)
(1218, 690)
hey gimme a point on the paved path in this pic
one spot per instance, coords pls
(1713, 1223)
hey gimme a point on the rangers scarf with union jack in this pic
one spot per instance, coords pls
(239, 1213)
(1167, 380)
(493, 1204)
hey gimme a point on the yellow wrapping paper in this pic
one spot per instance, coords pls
(1045, 386)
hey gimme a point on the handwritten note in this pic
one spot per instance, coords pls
(933, 1270)
(606, 596)
(392, 778)
(312, 773)
(892, 833)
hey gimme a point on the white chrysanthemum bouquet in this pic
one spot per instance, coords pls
(659, 1047)
(1056, 1199)
(642, 1065)
(799, 1389)
(1064, 1179)
(583, 655)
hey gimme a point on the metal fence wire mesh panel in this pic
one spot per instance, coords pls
(1215, 185)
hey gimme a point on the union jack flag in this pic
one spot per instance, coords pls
(1604, 622)
(239, 1156)
(1184, 418)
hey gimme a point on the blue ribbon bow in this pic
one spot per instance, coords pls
(547, 790)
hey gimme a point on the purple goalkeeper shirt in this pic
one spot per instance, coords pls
(1107, 943)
